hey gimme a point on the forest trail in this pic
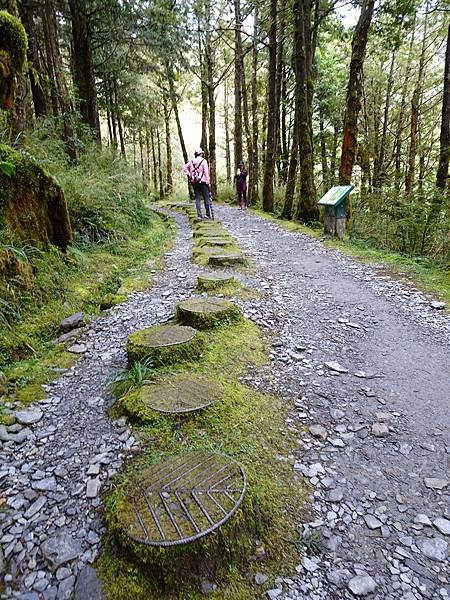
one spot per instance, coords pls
(375, 455)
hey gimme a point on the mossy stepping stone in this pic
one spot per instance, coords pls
(180, 394)
(181, 499)
(164, 344)
(211, 281)
(203, 251)
(216, 242)
(226, 259)
(204, 313)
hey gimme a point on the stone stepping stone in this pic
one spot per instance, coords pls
(181, 394)
(226, 259)
(211, 281)
(181, 499)
(216, 242)
(204, 251)
(209, 232)
(164, 344)
(204, 313)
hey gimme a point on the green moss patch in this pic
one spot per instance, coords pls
(164, 344)
(246, 425)
(204, 313)
(213, 281)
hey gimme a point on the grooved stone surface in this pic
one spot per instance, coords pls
(181, 394)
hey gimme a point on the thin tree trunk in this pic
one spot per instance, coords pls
(83, 65)
(160, 173)
(35, 74)
(63, 96)
(155, 167)
(227, 133)
(444, 153)
(271, 142)
(254, 160)
(141, 152)
(379, 174)
(112, 111)
(119, 122)
(238, 146)
(415, 110)
(293, 163)
(279, 86)
(354, 93)
(169, 165)
(209, 51)
(248, 133)
(323, 149)
(203, 90)
(333, 159)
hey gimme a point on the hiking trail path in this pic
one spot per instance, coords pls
(366, 359)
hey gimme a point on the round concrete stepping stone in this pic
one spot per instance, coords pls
(204, 313)
(211, 281)
(164, 344)
(226, 259)
(181, 499)
(180, 394)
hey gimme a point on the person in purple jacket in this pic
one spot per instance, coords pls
(241, 185)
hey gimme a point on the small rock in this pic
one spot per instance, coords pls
(272, 594)
(433, 548)
(60, 549)
(309, 565)
(335, 495)
(35, 507)
(434, 483)
(335, 366)
(93, 487)
(260, 578)
(380, 430)
(72, 322)
(437, 305)
(77, 349)
(207, 586)
(422, 519)
(318, 431)
(88, 585)
(443, 525)
(30, 416)
(362, 585)
(372, 522)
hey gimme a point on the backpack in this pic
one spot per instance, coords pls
(195, 176)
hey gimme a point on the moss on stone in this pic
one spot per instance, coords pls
(32, 205)
(164, 344)
(13, 48)
(205, 313)
(226, 259)
(213, 281)
(110, 300)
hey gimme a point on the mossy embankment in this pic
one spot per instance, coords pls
(118, 244)
(245, 424)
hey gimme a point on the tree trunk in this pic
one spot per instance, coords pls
(119, 121)
(160, 173)
(155, 166)
(354, 92)
(307, 210)
(209, 52)
(83, 66)
(292, 169)
(141, 153)
(415, 110)
(237, 85)
(379, 174)
(17, 113)
(254, 160)
(35, 74)
(323, 149)
(278, 87)
(271, 141)
(203, 90)
(248, 133)
(444, 154)
(227, 133)
(51, 34)
(169, 165)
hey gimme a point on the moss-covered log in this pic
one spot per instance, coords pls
(204, 313)
(13, 48)
(164, 344)
(32, 205)
(213, 281)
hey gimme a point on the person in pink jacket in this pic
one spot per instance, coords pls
(197, 171)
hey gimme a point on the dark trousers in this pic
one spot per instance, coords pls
(201, 189)
(242, 196)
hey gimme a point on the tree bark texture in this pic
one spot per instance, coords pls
(209, 59)
(354, 93)
(271, 140)
(169, 165)
(238, 144)
(444, 154)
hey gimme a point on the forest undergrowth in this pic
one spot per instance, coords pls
(118, 243)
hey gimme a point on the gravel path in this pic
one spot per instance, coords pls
(367, 362)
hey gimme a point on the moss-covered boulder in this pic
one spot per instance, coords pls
(178, 394)
(13, 48)
(32, 205)
(204, 313)
(213, 281)
(164, 344)
(226, 259)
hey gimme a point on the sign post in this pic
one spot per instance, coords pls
(335, 203)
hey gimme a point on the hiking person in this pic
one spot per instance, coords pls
(197, 172)
(241, 184)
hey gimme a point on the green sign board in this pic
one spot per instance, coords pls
(335, 195)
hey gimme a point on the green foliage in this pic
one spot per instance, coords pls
(13, 41)
(128, 379)
(7, 168)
